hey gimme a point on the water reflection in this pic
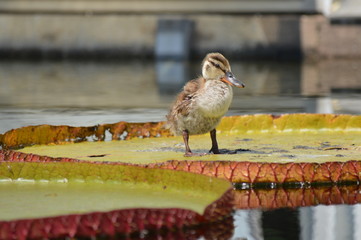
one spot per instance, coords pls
(315, 213)
(330, 222)
(297, 197)
(306, 223)
(171, 76)
(217, 230)
(89, 93)
(78, 85)
(271, 87)
(275, 224)
(339, 76)
(140, 84)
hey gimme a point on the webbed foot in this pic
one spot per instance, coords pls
(214, 151)
(190, 154)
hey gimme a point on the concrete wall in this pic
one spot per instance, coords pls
(68, 35)
(121, 35)
(321, 38)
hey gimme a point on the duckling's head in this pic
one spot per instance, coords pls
(216, 67)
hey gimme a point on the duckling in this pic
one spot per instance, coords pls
(199, 108)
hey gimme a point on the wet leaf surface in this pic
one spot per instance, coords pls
(66, 198)
(260, 147)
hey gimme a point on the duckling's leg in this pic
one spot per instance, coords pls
(185, 139)
(188, 152)
(214, 148)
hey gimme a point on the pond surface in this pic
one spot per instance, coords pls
(89, 93)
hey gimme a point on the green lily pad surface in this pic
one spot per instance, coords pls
(329, 145)
(37, 190)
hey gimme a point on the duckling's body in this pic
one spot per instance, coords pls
(200, 111)
(199, 108)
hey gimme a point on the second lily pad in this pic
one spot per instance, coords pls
(45, 200)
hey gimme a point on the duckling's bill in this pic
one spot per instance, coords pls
(231, 80)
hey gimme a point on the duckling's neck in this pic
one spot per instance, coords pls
(215, 98)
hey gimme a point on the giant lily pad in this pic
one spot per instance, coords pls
(259, 148)
(65, 199)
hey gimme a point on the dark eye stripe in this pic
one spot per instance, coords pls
(217, 66)
(220, 59)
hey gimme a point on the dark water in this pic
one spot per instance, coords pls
(90, 93)
(317, 223)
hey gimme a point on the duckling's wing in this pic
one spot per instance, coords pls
(190, 90)
(183, 104)
(193, 86)
(184, 98)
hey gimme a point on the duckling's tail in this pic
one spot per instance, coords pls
(169, 124)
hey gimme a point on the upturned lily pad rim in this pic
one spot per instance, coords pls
(252, 174)
(261, 123)
(124, 221)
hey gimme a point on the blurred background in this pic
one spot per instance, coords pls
(87, 62)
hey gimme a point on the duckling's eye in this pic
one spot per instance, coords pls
(217, 65)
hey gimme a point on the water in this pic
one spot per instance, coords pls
(90, 93)
(305, 223)
(316, 213)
